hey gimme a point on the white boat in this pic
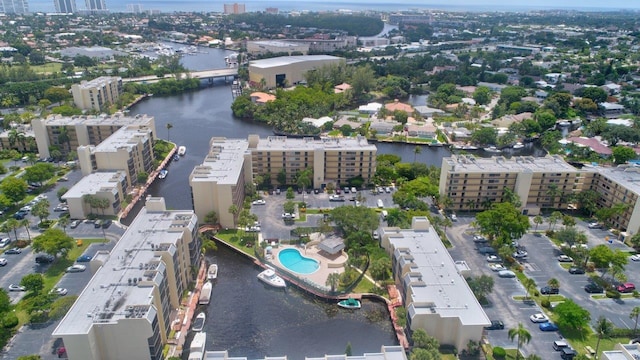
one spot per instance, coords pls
(212, 272)
(269, 277)
(205, 294)
(518, 145)
(198, 322)
(492, 149)
(350, 303)
(469, 147)
(564, 123)
(182, 150)
(163, 174)
(197, 348)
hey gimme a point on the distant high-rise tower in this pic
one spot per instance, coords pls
(135, 8)
(234, 8)
(65, 6)
(14, 6)
(96, 5)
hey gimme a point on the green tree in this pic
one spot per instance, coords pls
(538, 220)
(553, 283)
(481, 286)
(41, 209)
(211, 218)
(635, 314)
(362, 80)
(352, 219)
(523, 337)
(423, 354)
(281, 178)
(571, 315)
(304, 179)
(142, 177)
(63, 222)
(422, 340)
(290, 195)
(485, 136)
(53, 242)
(61, 191)
(14, 189)
(348, 351)
(25, 223)
(528, 284)
(169, 126)
(33, 283)
(56, 94)
(30, 357)
(622, 154)
(13, 225)
(333, 280)
(603, 329)
(605, 259)
(380, 268)
(482, 95)
(503, 223)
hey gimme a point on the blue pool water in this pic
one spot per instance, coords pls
(294, 261)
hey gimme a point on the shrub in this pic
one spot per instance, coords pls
(499, 353)
(549, 233)
(60, 307)
(546, 303)
(10, 320)
(536, 293)
(636, 294)
(613, 294)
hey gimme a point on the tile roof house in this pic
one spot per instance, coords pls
(397, 105)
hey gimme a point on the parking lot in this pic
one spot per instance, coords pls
(540, 265)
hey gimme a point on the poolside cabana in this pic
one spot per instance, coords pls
(331, 245)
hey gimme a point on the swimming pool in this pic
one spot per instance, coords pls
(294, 261)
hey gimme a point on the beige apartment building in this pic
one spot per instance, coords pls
(540, 182)
(334, 160)
(219, 181)
(433, 286)
(619, 185)
(25, 141)
(97, 94)
(104, 185)
(127, 308)
(276, 47)
(287, 70)
(68, 132)
(129, 149)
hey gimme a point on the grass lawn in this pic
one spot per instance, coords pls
(552, 298)
(302, 217)
(47, 68)
(56, 270)
(511, 354)
(579, 340)
(233, 237)
(364, 286)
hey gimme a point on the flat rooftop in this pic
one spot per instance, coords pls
(123, 287)
(283, 143)
(276, 43)
(625, 175)
(125, 137)
(289, 60)
(117, 119)
(435, 282)
(96, 182)
(470, 163)
(98, 82)
(223, 164)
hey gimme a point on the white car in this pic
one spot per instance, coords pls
(564, 258)
(3, 261)
(538, 318)
(288, 216)
(520, 254)
(506, 274)
(14, 287)
(58, 291)
(635, 257)
(453, 217)
(494, 259)
(76, 268)
(259, 202)
(497, 267)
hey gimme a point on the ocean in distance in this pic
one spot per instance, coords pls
(355, 5)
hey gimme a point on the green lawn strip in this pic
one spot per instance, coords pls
(603, 296)
(364, 286)
(552, 298)
(302, 217)
(566, 265)
(580, 339)
(511, 353)
(233, 237)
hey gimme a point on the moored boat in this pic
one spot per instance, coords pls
(212, 272)
(269, 277)
(182, 150)
(163, 174)
(492, 149)
(350, 303)
(205, 294)
(469, 147)
(518, 145)
(198, 322)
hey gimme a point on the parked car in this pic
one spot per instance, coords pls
(387, 189)
(346, 190)
(567, 353)
(594, 225)
(14, 287)
(106, 223)
(548, 290)
(479, 238)
(635, 257)
(520, 254)
(83, 258)
(487, 250)
(564, 258)
(4, 242)
(13, 251)
(506, 274)
(538, 318)
(354, 190)
(76, 268)
(287, 216)
(278, 191)
(336, 198)
(495, 325)
(548, 326)
(74, 224)
(626, 287)
(559, 345)
(44, 259)
(497, 267)
(3, 261)
(593, 288)
(494, 259)
(576, 270)
(316, 191)
(453, 217)
(58, 291)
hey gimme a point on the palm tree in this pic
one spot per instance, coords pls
(528, 284)
(416, 151)
(553, 192)
(169, 127)
(471, 204)
(538, 220)
(635, 313)
(603, 328)
(554, 218)
(553, 283)
(25, 223)
(13, 225)
(333, 280)
(64, 222)
(523, 337)
(233, 210)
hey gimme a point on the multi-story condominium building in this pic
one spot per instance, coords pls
(433, 286)
(234, 8)
(14, 6)
(276, 47)
(618, 185)
(333, 161)
(622, 352)
(327, 45)
(98, 93)
(65, 6)
(219, 182)
(543, 182)
(20, 138)
(125, 311)
(129, 149)
(135, 8)
(104, 185)
(96, 5)
(67, 133)
(386, 353)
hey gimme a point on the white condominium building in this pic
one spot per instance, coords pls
(98, 93)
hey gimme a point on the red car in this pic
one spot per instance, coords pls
(626, 287)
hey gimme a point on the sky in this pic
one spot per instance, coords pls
(385, 5)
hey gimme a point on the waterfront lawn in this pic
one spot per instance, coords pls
(235, 238)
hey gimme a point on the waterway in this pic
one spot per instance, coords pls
(244, 316)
